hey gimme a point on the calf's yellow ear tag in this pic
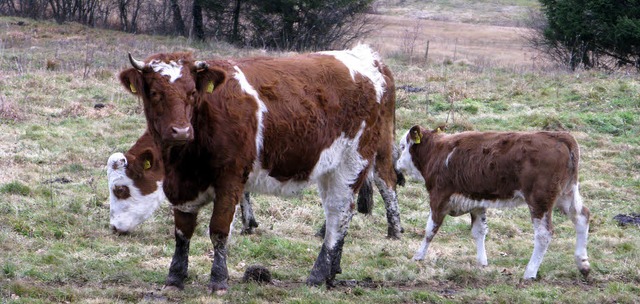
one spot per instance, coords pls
(146, 165)
(133, 88)
(438, 130)
(418, 137)
(210, 87)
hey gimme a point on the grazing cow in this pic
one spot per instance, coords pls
(471, 171)
(130, 205)
(272, 125)
(135, 187)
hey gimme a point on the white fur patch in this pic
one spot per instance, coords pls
(171, 69)
(462, 204)
(262, 107)
(194, 206)
(446, 162)
(341, 156)
(126, 214)
(361, 60)
(405, 162)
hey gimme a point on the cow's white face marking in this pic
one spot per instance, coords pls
(361, 60)
(262, 107)
(171, 69)
(126, 214)
(405, 162)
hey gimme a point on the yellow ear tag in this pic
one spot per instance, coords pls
(133, 88)
(210, 87)
(146, 165)
(438, 130)
(418, 137)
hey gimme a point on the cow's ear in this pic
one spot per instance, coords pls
(131, 79)
(209, 79)
(440, 128)
(415, 134)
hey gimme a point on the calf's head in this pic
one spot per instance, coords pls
(135, 188)
(416, 139)
(170, 86)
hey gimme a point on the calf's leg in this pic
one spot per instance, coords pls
(479, 232)
(571, 205)
(434, 221)
(542, 235)
(185, 224)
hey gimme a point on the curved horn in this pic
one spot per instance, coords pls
(201, 65)
(136, 63)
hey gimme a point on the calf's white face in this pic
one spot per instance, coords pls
(405, 161)
(128, 206)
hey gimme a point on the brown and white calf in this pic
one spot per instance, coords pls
(273, 125)
(135, 188)
(471, 171)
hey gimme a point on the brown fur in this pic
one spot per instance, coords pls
(311, 100)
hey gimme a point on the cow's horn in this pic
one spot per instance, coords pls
(136, 63)
(201, 65)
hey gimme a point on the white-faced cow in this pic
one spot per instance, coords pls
(471, 171)
(135, 188)
(272, 125)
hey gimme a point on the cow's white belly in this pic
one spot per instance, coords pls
(341, 161)
(460, 204)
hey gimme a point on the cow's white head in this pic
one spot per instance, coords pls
(135, 189)
(406, 163)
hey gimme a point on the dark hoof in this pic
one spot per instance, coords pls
(585, 272)
(172, 288)
(219, 288)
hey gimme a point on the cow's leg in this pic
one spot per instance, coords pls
(185, 224)
(434, 221)
(337, 200)
(479, 232)
(219, 228)
(248, 220)
(385, 178)
(542, 235)
(364, 203)
(571, 205)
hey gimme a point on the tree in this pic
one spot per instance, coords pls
(307, 24)
(590, 33)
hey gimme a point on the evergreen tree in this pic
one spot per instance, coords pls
(592, 33)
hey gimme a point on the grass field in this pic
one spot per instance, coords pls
(63, 112)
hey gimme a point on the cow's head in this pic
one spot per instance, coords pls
(416, 138)
(170, 86)
(135, 187)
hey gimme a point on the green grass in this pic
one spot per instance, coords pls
(56, 245)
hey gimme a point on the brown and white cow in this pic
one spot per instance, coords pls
(273, 125)
(135, 188)
(471, 171)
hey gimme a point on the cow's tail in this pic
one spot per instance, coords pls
(574, 159)
(365, 196)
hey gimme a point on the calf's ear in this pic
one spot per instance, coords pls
(131, 79)
(415, 134)
(208, 79)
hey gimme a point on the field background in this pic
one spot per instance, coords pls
(63, 112)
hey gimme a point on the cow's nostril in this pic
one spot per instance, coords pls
(180, 133)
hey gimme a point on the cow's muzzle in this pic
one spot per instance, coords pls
(181, 134)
